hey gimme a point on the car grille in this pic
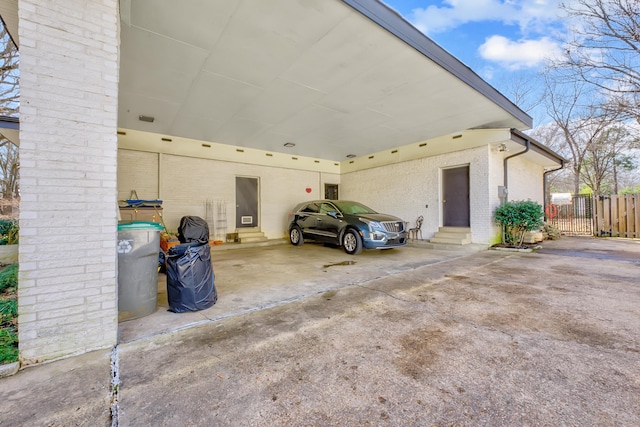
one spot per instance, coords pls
(393, 226)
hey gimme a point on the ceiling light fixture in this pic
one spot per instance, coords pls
(149, 119)
(289, 144)
(350, 156)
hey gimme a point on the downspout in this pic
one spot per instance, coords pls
(506, 170)
(544, 182)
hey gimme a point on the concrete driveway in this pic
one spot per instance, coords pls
(250, 278)
(491, 338)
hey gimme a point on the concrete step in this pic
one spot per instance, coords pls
(450, 240)
(252, 239)
(455, 230)
(452, 236)
(251, 235)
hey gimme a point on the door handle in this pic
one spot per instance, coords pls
(444, 201)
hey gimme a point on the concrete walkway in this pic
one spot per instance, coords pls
(434, 338)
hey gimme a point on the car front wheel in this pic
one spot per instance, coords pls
(352, 242)
(295, 236)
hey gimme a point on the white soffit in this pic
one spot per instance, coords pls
(9, 14)
(317, 73)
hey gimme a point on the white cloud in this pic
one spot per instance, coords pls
(530, 15)
(520, 54)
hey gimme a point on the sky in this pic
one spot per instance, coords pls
(500, 40)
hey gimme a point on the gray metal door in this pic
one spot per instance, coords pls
(455, 197)
(246, 202)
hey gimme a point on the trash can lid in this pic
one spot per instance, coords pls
(140, 225)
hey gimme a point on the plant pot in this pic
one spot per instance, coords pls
(8, 254)
(9, 369)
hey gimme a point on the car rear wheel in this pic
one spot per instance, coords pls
(352, 242)
(295, 236)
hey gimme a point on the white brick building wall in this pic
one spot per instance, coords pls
(68, 148)
(525, 180)
(405, 189)
(186, 183)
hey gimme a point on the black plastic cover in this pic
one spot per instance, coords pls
(190, 278)
(193, 229)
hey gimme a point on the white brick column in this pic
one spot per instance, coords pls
(68, 159)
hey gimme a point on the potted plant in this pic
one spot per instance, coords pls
(516, 218)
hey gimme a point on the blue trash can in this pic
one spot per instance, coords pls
(138, 248)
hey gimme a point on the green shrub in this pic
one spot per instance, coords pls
(518, 217)
(9, 231)
(9, 278)
(8, 345)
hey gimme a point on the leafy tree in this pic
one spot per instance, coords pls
(631, 190)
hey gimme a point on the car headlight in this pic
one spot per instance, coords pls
(374, 226)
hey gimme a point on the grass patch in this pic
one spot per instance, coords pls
(8, 310)
(9, 278)
(9, 314)
(8, 344)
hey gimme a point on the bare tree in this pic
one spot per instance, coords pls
(605, 49)
(523, 90)
(605, 155)
(9, 76)
(9, 106)
(579, 120)
(8, 169)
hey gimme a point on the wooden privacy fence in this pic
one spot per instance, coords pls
(617, 216)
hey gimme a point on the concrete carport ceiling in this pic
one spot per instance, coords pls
(333, 77)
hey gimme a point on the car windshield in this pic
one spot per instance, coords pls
(353, 208)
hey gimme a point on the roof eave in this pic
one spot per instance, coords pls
(522, 138)
(391, 21)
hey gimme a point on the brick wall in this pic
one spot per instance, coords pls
(525, 180)
(68, 166)
(186, 183)
(138, 171)
(406, 189)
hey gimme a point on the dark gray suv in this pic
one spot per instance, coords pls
(351, 225)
